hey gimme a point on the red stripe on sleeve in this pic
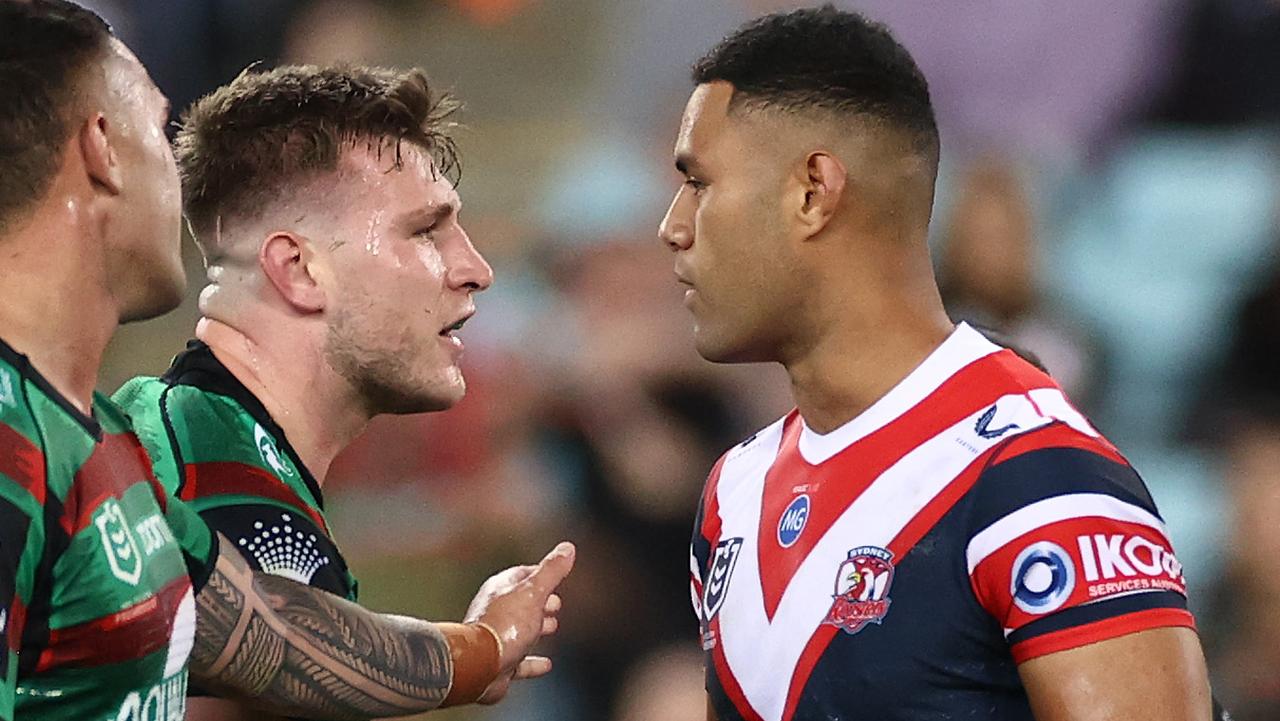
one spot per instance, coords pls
(22, 462)
(1105, 629)
(205, 480)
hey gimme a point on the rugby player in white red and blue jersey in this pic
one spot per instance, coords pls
(935, 532)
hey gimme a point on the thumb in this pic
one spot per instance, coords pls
(553, 568)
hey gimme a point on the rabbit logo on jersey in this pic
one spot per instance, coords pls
(862, 589)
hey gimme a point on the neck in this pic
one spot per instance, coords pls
(54, 305)
(314, 406)
(871, 338)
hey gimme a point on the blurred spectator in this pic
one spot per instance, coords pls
(1228, 72)
(989, 275)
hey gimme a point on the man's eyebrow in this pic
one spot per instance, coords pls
(428, 214)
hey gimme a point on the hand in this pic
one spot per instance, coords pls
(520, 605)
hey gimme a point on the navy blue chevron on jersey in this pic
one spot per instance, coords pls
(900, 567)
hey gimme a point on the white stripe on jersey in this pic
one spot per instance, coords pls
(1052, 510)
(763, 656)
(961, 348)
(1054, 403)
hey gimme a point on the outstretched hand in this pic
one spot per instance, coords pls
(521, 606)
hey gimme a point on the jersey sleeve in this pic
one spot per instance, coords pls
(22, 493)
(1067, 548)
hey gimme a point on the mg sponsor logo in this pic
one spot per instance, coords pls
(793, 520)
(117, 540)
(1121, 563)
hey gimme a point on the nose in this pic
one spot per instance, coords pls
(470, 270)
(676, 229)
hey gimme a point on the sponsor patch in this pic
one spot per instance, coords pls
(793, 521)
(1043, 578)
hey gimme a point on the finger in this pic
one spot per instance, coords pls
(533, 667)
(553, 604)
(554, 567)
(550, 625)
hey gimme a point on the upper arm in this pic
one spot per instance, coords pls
(22, 492)
(1068, 550)
(1153, 675)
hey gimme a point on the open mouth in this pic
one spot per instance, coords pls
(450, 330)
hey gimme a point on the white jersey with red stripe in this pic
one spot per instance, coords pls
(901, 566)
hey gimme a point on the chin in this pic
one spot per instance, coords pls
(161, 296)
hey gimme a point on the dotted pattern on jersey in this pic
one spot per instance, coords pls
(283, 550)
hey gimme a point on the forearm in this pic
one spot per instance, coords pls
(300, 651)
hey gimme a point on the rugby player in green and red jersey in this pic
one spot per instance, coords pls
(108, 587)
(338, 271)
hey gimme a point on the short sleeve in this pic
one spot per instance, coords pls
(1067, 548)
(197, 540)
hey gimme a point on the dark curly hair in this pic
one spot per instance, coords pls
(825, 60)
(244, 144)
(46, 48)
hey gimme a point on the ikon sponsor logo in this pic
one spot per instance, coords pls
(1108, 557)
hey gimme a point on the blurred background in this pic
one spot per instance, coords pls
(1108, 201)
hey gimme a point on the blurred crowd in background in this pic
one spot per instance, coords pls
(1108, 201)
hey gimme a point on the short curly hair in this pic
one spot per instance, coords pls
(825, 60)
(48, 46)
(241, 147)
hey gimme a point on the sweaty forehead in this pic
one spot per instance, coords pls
(369, 170)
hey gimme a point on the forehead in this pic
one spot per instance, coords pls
(705, 120)
(370, 171)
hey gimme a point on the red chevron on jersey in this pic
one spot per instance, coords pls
(882, 482)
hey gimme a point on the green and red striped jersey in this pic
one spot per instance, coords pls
(97, 606)
(215, 446)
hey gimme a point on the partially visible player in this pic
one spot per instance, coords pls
(108, 587)
(935, 533)
(338, 275)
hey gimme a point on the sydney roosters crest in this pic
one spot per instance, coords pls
(862, 589)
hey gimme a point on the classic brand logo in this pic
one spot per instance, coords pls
(270, 454)
(983, 426)
(117, 540)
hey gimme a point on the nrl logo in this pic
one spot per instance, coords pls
(718, 580)
(270, 454)
(122, 551)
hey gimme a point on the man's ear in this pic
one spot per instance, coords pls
(287, 261)
(100, 161)
(824, 184)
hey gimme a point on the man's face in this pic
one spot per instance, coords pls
(144, 251)
(402, 272)
(728, 232)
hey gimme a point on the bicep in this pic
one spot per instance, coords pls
(1153, 675)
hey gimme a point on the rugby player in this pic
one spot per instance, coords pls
(338, 273)
(108, 587)
(935, 532)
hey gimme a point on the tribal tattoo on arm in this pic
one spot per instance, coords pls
(297, 650)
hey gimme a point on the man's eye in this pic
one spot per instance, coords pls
(425, 232)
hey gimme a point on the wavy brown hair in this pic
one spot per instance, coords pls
(245, 144)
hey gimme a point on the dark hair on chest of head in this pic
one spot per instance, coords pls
(824, 60)
(45, 48)
(243, 144)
